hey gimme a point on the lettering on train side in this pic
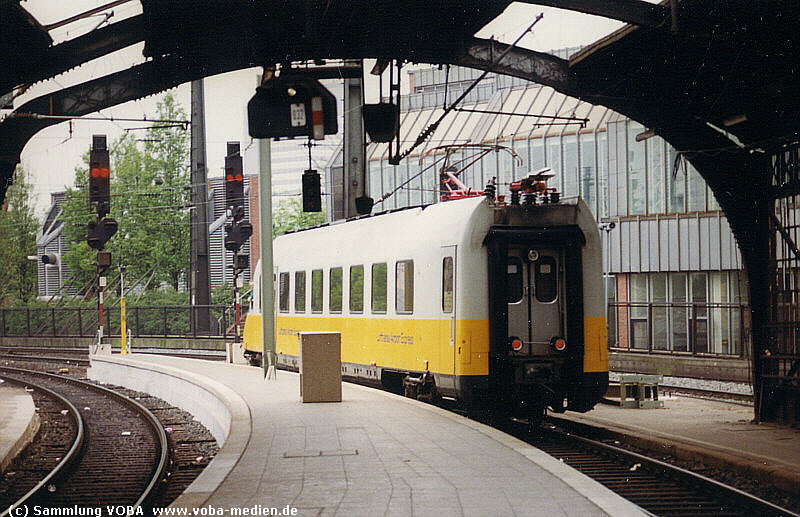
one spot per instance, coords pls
(288, 332)
(401, 338)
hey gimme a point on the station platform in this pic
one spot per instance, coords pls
(374, 453)
(718, 434)
(19, 422)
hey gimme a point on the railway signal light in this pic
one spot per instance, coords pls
(242, 262)
(99, 176)
(49, 259)
(234, 181)
(289, 106)
(100, 232)
(103, 259)
(312, 192)
(380, 121)
(237, 234)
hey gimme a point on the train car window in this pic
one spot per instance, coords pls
(546, 279)
(514, 285)
(404, 287)
(379, 288)
(447, 284)
(356, 288)
(316, 290)
(335, 292)
(299, 291)
(283, 294)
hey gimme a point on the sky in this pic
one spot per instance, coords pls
(53, 154)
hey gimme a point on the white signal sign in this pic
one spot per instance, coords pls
(297, 112)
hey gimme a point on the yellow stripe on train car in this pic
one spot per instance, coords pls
(403, 344)
(595, 348)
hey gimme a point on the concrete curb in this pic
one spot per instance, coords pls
(22, 427)
(219, 408)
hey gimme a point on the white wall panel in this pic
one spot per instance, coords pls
(672, 243)
(653, 240)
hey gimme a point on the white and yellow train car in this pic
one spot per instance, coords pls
(498, 306)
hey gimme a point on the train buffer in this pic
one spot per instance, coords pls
(639, 391)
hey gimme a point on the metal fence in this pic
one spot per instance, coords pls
(200, 321)
(686, 328)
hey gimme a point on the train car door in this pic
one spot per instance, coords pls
(448, 307)
(533, 295)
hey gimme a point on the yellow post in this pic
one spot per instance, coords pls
(123, 322)
(123, 327)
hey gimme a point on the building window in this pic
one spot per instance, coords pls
(676, 184)
(699, 314)
(299, 291)
(658, 311)
(537, 154)
(697, 190)
(553, 147)
(404, 287)
(522, 148)
(637, 181)
(613, 310)
(570, 168)
(679, 314)
(316, 290)
(283, 292)
(637, 294)
(656, 176)
(356, 289)
(335, 292)
(448, 284)
(505, 172)
(588, 172)
(379, 288)
(602, 173)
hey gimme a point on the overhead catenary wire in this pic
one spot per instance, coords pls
(428, 131)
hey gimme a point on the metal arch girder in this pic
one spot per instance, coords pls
(73, 102)
(636, 12)
(534, 66)
(72, 53)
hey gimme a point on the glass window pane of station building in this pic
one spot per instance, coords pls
(673, 272)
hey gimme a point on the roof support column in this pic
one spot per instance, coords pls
(354, 166)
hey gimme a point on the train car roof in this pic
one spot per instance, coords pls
(392, 232)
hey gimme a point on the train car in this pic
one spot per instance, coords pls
(487, 304)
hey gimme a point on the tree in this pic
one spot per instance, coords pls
(75, 214)
(18, 226)
(150, 197)
(288, 216)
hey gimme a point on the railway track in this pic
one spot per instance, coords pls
(658, 487)
(81, 356)
(121, 449)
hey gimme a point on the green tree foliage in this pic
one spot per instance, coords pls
(18, 227)
(288, 216)
(149, 200)
(75, 214)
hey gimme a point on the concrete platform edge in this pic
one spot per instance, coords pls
(204, 398)
(28, 433)
(602, 497)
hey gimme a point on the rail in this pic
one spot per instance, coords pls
(79, 450)
(700, 329)
(72, 455)
(152, 321)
